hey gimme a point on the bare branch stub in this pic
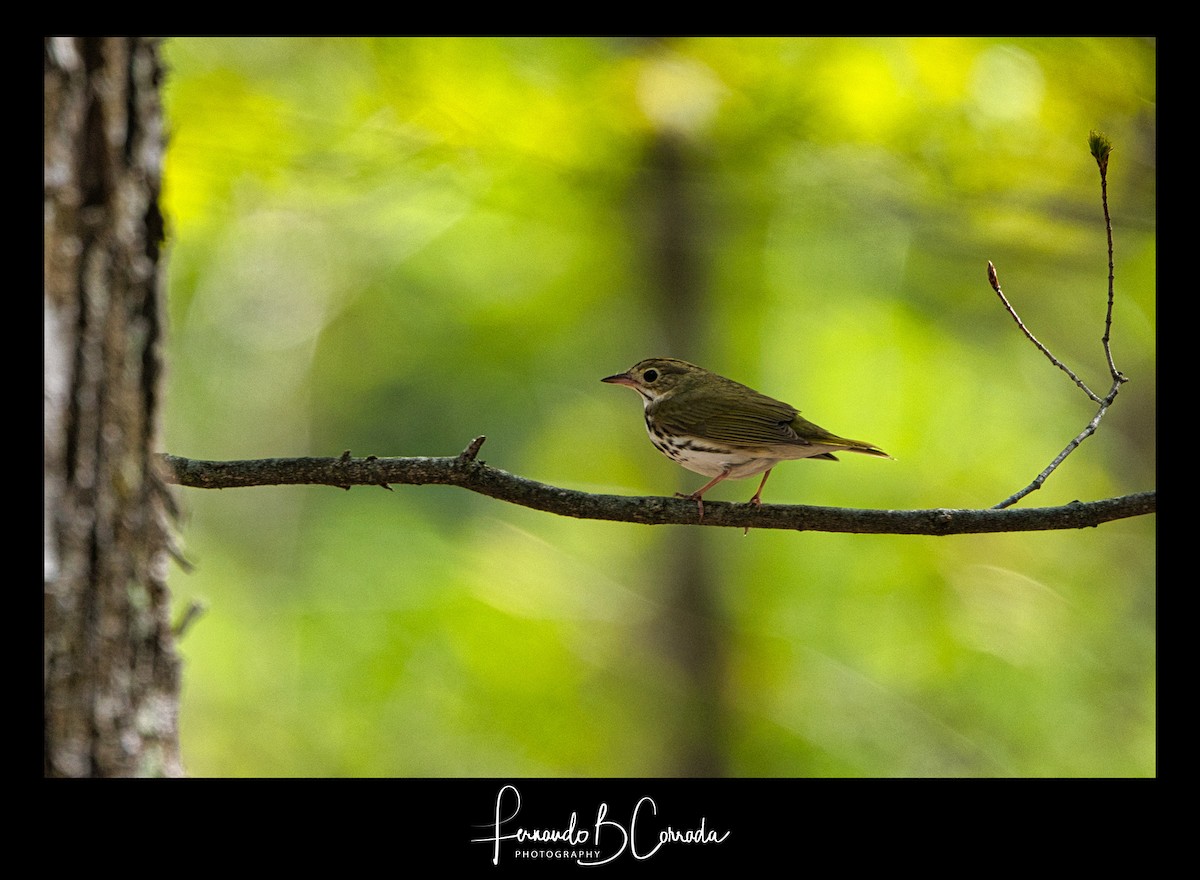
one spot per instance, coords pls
(472, 449)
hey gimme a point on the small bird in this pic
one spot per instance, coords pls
(722, 429)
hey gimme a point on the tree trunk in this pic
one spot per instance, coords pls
(689, 627)
(110, 674)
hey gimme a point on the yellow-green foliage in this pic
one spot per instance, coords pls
(394, 245)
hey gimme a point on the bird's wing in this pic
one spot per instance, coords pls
(759, 421)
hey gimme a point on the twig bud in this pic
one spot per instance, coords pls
(1100, 146)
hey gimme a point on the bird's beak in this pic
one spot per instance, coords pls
(619, 379)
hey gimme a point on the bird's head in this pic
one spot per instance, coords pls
(658, 378)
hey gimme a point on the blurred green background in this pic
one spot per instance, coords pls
(394, 245)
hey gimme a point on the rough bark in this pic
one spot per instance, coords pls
(110, 673)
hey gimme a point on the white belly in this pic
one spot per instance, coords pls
(699, 457)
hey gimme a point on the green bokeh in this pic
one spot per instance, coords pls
(393, 246)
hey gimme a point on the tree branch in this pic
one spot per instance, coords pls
(467, 472)
(1101, 148)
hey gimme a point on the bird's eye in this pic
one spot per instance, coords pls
(650, 375)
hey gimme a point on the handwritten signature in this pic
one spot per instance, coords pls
(587, 845)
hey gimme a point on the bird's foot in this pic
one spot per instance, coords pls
(695, 496)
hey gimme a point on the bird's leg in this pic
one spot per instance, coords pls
(757, 499)
(697, 495)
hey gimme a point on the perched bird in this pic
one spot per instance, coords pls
(722, 429)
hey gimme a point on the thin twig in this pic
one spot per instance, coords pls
(994, 280)
(1101, 148)
(1041, 478)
